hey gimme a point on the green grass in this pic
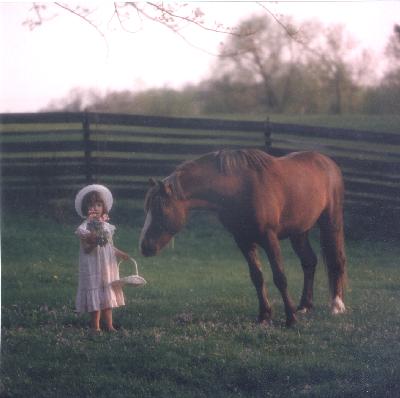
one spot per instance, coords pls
(191, 331)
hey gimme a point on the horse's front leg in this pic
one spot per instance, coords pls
(249, 251)
(272, 247)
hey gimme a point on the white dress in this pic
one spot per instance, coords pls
(96, 270)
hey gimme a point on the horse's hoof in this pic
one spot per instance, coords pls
(337, 306)
(303, 310)
(266, 323)
(291, 321)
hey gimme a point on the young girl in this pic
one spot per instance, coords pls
(97, 257)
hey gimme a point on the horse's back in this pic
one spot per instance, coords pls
(311, 166)
(311, 159)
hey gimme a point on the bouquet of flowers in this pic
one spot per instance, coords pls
(96, 224)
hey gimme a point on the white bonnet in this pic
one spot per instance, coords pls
(101, 189)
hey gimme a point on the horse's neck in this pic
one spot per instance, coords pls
(202, 190)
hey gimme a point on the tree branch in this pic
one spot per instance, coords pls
(65, 7)
(121, 23)
(87, 20)
(193, 21)
(294, 35)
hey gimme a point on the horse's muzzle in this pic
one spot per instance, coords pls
(148, 249)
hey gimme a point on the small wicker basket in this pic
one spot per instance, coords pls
(134, 280)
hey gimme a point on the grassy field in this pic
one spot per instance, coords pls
(191, 331)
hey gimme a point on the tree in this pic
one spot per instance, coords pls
(331, 60)
(313, 68)
(263, 57)
(385, 98)
(77, 100)
(392, 77)
(264, 62)
(393, 46)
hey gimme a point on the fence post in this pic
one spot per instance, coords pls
(87, 148)
(267, 135)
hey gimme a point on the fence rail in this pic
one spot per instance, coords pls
(54, 154)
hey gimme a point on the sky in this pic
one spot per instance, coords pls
(45, 64)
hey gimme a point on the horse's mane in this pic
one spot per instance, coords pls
(227, 162)
(231, 161)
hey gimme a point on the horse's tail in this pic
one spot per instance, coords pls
(333, 249)
(333, 253)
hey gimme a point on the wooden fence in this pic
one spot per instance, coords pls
(52, 155)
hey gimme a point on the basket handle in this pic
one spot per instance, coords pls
(134, 263)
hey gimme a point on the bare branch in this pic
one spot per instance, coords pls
(294, 35)
(173, 29)
(80, 15)
(194, 21)
(122, 23)
(161, 13)
(39, 19)
(288, 29)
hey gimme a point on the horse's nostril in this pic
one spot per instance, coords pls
(148, 252)
(147, 249)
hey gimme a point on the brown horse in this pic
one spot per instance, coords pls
(260, 199)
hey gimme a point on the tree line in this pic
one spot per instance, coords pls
(278, 68)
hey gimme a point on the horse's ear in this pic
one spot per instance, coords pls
(168, 189)
(165, 188)
(152, 182)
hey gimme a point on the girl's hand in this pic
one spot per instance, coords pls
(92, 215)
(122, 255)
(90, 239)
(89, 242)
(88, 247)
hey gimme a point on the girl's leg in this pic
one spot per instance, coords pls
(107, 316)
(95, 321)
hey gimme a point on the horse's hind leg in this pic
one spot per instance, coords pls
(302, 247)
(332, 244)
(249, 251)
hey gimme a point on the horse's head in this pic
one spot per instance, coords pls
(165, 216)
